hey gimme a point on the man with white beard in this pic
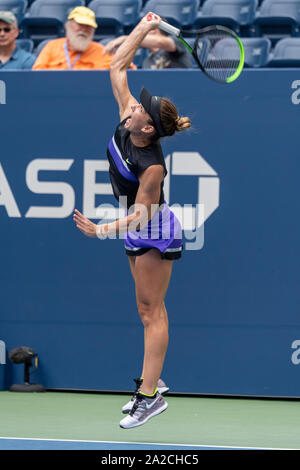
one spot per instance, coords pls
(77, 51)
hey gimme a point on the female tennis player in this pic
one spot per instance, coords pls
(153, 237)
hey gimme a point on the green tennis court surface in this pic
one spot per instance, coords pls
(54, 420)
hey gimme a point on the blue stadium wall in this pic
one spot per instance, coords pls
(234, 297)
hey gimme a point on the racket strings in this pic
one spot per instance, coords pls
(219, 53)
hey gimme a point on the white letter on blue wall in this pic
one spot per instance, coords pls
(6, 196)
(53, 187)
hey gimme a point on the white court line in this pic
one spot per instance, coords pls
(148, 443)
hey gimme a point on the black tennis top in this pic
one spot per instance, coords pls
(127, 162)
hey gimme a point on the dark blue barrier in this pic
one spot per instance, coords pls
(234, 297)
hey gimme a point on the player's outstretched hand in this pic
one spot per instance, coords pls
(87, 227)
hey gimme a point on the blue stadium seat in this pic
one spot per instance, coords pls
(115, 17)
(40, 46)
(180, 13)
(278, 18)
(17, 7)
(26, 44)
(257, 50)
(286, 53)
(235, 14)
(46, 18)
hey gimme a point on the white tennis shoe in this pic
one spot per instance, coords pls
(161, 388)
(143, 409)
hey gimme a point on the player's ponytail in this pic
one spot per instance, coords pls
(170, 120)
(182, 123)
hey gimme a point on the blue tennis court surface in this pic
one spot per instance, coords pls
(10, 443)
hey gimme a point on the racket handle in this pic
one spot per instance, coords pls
(168, 28)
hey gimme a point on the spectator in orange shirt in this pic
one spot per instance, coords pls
(77, 51)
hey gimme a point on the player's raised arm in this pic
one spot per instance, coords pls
(122, 59)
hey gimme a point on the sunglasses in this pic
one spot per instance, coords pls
(5, 29)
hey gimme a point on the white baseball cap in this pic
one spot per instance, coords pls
(8, 17)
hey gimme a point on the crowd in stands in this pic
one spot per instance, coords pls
(78, 51)
(76, 46)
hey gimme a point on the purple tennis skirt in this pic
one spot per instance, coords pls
(163, 232)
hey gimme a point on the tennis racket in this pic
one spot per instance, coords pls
(217, 50)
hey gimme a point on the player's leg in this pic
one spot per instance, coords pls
(161, 386)
(131, 260)
(152, 276)
(165, 317)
